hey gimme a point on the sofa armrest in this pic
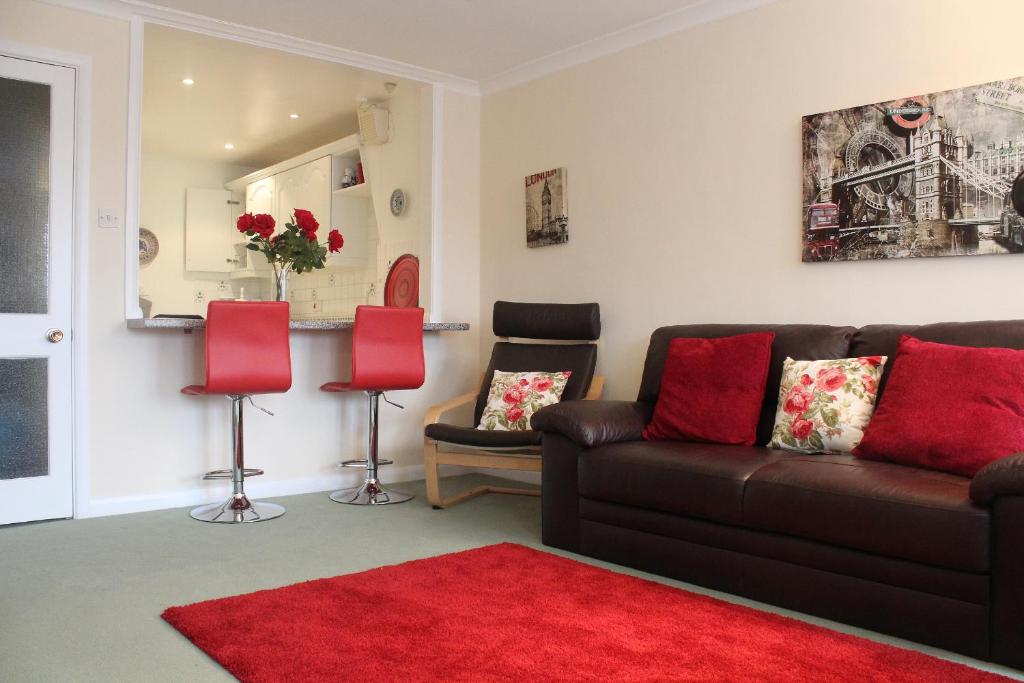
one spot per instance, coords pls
(1003, 477)
(593, 423)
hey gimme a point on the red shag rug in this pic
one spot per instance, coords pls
(506, 612)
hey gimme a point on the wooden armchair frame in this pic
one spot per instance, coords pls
(522, 458)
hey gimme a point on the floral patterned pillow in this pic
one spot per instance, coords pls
(824, 405)
(515, 396)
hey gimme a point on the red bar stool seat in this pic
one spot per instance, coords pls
(247, 353)
(387, 354)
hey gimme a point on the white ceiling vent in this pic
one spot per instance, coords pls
(374, 124)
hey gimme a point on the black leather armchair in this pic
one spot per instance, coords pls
(450, 444)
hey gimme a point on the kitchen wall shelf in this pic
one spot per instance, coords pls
(360, 190)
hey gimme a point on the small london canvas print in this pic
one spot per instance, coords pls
(927, 175)
(547, 210)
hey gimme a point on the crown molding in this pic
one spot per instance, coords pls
(127, 9)
(703, 12)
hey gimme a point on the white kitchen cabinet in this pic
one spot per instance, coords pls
(315, 185)
(210, 234)
(259, 196)
(352, 214)
(305, 187)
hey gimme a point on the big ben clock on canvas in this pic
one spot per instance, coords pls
(547, 208)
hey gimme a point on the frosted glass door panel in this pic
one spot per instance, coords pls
(24, 196)
(24, 437)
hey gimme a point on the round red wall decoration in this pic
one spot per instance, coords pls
(402, 288)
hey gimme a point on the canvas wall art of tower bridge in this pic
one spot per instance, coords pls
(927, 175)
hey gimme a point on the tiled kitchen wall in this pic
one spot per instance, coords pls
(332, 292)
(335, 292)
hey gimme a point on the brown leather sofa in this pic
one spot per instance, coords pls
(928, 556)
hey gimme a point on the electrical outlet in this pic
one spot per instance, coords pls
(200, 297)
(314, 294)
(222, 287)
(330, 280)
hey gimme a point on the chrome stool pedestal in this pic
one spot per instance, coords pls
(371, 491)
(237, 509)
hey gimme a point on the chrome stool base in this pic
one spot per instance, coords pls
(370, 492)
(237, 509)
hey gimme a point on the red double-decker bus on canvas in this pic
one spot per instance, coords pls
(822, 232)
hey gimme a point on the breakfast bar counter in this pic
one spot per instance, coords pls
(189, 324)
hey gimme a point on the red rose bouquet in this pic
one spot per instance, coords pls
(294, 249)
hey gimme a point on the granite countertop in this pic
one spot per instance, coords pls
(189, 324)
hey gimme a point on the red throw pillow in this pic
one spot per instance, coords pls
(712, 389)
(948, 408)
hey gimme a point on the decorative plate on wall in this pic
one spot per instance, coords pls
(148, 246)
(402, 288)
(397, 202)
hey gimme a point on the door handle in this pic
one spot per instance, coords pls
(54, 335)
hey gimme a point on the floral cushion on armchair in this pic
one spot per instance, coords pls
(515, 396)
(824, 405)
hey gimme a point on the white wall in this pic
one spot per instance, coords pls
(684, 178)
(392, 166)
(165, 281)
(147, 443)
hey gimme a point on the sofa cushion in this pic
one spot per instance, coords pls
(824, 405)
(949, 408)
(806, 342)
(881, 340)
(712, 389)
(695, 479)
(882, 508)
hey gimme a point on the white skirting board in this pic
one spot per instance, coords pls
(255, 488)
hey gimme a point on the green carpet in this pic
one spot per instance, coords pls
(80, 600)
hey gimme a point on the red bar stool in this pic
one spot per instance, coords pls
(387, 354)
(247, 353)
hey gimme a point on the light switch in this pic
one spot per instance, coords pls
(109, 218)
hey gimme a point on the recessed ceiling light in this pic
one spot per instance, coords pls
(228, 145)
(293, 116)
(187, 81)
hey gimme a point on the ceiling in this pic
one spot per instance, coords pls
(472, 39)
(244, 95)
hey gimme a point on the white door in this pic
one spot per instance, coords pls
(37, 142)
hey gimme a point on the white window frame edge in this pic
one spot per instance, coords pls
(436, 204)
(133, 170)
(82, 65)
(438, 83)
